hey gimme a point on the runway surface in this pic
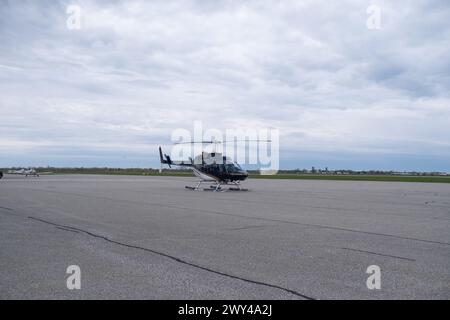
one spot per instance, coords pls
(149, 238)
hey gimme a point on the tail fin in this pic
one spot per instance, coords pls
(161, 155)
(167, 159)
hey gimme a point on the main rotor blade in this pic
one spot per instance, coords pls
(192, 142)
(240, 140)
(226, 141)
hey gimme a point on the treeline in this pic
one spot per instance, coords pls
(361, 172)
(104, 170)
(187, 171)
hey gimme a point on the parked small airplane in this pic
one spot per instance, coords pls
(25, 172)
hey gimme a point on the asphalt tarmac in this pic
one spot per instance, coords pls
(150, 238)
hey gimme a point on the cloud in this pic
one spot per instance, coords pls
(139, 69)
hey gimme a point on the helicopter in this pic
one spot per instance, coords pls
(211, 167)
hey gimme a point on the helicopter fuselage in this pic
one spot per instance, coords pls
(220, 172)
(210, 167)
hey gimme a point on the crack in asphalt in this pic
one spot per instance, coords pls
(65, 229)
(379, 254)
(69, 228)
(246, 228)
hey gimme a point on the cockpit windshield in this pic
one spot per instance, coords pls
(232, 167)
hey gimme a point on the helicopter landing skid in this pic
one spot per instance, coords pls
(237, 189)
(217, 187)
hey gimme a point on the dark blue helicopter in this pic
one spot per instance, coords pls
(212, 168)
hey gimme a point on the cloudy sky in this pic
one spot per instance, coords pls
(342, 95)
